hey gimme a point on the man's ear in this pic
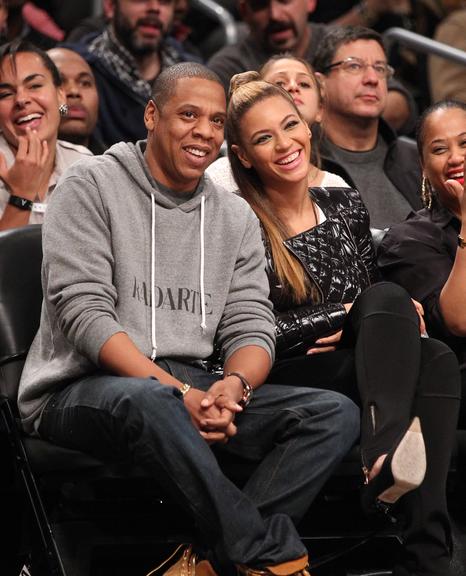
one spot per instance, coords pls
(241, 156)
(109, 8)
(321, 80)
(151, 116)
(320, 113)
(311, 6)
(61, 96)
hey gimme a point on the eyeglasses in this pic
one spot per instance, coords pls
(357, 66)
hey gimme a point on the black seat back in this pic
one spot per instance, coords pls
(20, 301)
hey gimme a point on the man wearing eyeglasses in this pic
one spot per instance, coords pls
(357, 143)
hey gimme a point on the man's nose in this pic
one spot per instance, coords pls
(370, 75)
(203, 128)
(72, 90)
(276, 10)
(153, 5)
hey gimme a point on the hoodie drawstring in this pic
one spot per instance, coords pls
(152, 274)
(152, 280)
(201, 271)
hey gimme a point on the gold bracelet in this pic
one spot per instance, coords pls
(185, 389)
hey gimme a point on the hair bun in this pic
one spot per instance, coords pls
(242, 78)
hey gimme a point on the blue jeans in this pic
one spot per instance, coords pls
(296, 435)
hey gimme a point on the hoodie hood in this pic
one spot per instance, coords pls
(132, 159)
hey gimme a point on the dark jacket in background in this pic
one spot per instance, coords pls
(418, 254)
(401, 164)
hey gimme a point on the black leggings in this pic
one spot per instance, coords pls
(394, 375)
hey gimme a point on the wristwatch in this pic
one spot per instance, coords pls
(21, 203)
(461, 242)
(247, 389)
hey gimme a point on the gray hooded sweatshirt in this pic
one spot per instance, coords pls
(120, 256)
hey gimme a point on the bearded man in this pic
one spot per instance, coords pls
(126, 58)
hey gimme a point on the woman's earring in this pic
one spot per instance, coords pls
(426, 192)
(63, 110)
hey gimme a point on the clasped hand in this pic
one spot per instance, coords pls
(213, 412)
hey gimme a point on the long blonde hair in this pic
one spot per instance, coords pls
(246, 90)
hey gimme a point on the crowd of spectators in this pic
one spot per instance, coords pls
(126, 60)
(117, 85)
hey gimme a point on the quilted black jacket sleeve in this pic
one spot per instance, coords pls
(298, 328)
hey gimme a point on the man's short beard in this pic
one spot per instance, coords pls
(137, 47)
(277, 26)
(128, 37)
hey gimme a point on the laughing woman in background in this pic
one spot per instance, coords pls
(31, 156)
(427, 253)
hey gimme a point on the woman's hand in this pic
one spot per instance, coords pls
(458, 191)
(328, 344)
(420, 313)
(27, 176)
(453, 295)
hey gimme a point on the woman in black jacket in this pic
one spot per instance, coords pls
(339, 328)
(426, 254)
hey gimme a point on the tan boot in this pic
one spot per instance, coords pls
(189, 565)
(293, 568)
(185, 566)
(204, 568)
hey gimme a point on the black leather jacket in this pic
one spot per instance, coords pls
(338, 257)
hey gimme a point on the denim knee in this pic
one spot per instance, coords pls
(145, 398)
(346, 420)
(350, 419)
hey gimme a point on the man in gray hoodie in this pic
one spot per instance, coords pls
(148, 269)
